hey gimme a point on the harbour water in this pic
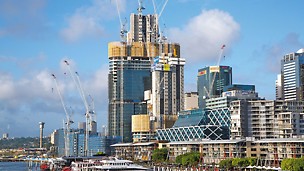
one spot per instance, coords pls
(18, 166)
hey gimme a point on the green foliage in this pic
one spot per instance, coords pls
(252, 161)
(240, 162)
(160, 155)
(226, 164)
(28, 142)
(293, 164)
(188, 159)
(179, 159)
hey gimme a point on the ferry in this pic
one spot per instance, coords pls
(106, 164)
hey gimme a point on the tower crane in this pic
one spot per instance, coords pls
(214, 75)
(88, 112)
(68, 121)
(123, 31)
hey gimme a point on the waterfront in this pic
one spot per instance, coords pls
(18, 166)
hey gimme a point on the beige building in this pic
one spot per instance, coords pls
(264, 119)
(269, 152)
(191, 101)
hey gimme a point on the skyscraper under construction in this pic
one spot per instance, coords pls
(143, 62)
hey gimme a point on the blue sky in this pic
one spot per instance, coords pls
(36, 36)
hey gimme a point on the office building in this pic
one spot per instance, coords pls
(242, 87)
(191, 101)
(211, 82)
(198, 124)
(5, 136)
(167, 85)
(130, 66)
(97, 143)
(292, 70)
(229, 96)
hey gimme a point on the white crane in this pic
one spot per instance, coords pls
(88, 112)
(214, 75)
(123, 31)
(67, 123)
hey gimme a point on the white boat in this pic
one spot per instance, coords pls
(110, 164)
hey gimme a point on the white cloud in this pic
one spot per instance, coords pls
(32, 98)
(87, 21)
(203, 36)
(6, 86)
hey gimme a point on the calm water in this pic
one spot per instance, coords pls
(17, 166)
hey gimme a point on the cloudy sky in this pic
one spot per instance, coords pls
(36, 36)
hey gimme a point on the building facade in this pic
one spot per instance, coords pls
(143, 28)
(167, 85)
(292, 71)
(264, 119)
(143, 63)
(191, 101)
(268, 152)
(198, 124)
(211, 81)
(97, 143)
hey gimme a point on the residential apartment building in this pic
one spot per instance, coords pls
(264, 119)
(268, 152)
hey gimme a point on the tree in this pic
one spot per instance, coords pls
(293, 164)
(252, 161)
(226, 164)
(188, 159)
(240, 162)
(160, 155)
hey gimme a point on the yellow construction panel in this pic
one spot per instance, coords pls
(140, 123)
(116, 49)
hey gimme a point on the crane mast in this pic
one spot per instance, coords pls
(214, 75)
(77, 82)
(68, 121)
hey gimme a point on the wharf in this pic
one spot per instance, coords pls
(11, 160)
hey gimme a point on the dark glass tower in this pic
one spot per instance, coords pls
(211, 81)
(130, 73)
(129, 77)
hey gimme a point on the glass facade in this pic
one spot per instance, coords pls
(292, 73)
(211, 82)
(198, 124)
(239, 87)
(126, 93)
(97, 143)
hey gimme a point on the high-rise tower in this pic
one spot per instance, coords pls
(133, 70)
(167, 85)
(211, 81)
(129, 73)
(292, 74)
(129, 77)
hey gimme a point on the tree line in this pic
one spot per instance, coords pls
(194, 158)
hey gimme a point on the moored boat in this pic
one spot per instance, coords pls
(109, 163)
